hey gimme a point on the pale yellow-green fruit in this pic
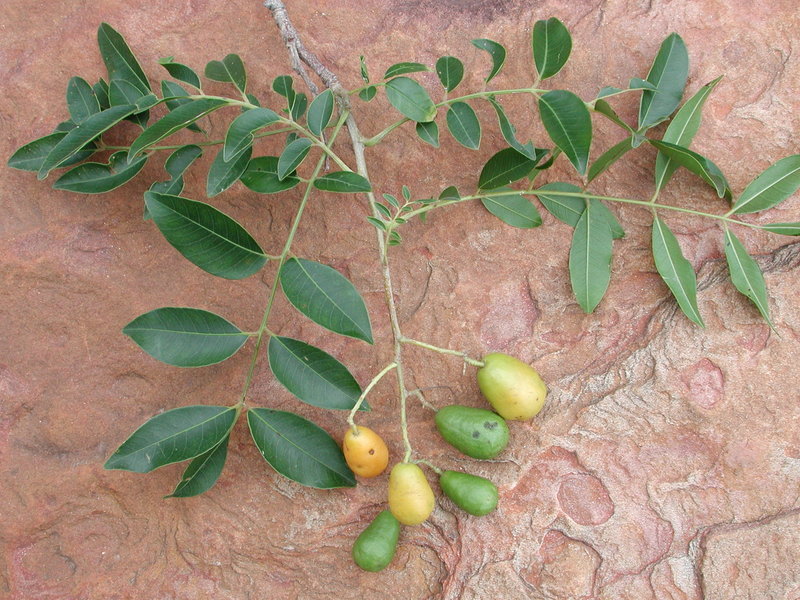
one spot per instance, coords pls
(513, 388)
(411, 498)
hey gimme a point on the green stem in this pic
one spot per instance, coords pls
(326, 148)
(430, 465)
(375, 380)
(645, 203)
(485, 94)
(281, 260)
(463, 355)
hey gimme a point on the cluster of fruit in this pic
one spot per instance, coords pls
(514, 390)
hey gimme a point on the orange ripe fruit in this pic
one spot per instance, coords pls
(365, 452)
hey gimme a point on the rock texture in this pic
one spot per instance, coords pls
(666, 465)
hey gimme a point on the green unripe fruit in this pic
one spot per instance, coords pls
(374, 549)
(513, 388)
(473, 494)
(477, 432)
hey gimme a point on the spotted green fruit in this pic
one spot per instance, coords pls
(374, 549)
(476, 495)
(477, 432)
(513, 388)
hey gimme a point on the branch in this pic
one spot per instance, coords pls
(299, 53)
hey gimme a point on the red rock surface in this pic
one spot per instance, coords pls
(666, 464)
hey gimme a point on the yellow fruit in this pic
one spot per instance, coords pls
(513, 388)
(410, 496)
(365, 452)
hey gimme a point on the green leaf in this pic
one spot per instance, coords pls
(510, 134)
(746, 275)
(773, 186)
(514, 210)
(312, 375)
(297, 107)
(590, 258)
(640, 84)
(569, 125)
(122, 92)
(402, 68)
(100, 90)
(119, 60)
(609, 157)
(668, 73)
(180, 72)
(299, 449)
(176, 166)
(368, 93)
(496, 51)
(30, 157)
(464, 125)
(97, 178)
(450, 193)
(229, 70)
(552, 45)
(176, 95)
(377, 223)
(782, 228)
(320, 113)
(450, 71)
(617, 231)
(203, 472)
(391, 200)
(345, 182)
(175, 121)
(697, 164)
(223, 174)
(241, 130)
(411, 99)
(292, 156)
(681, 131)
(567, 209)
(504, 167)
(284, 85)
(363, 66)
(429, 132)
(185, 337)
(608, 90)
(605, 109)
(206, 236)
(261, 175)
(675, 270)
(173, 436)
(81, 101)
(76, 139)
(326, 297)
